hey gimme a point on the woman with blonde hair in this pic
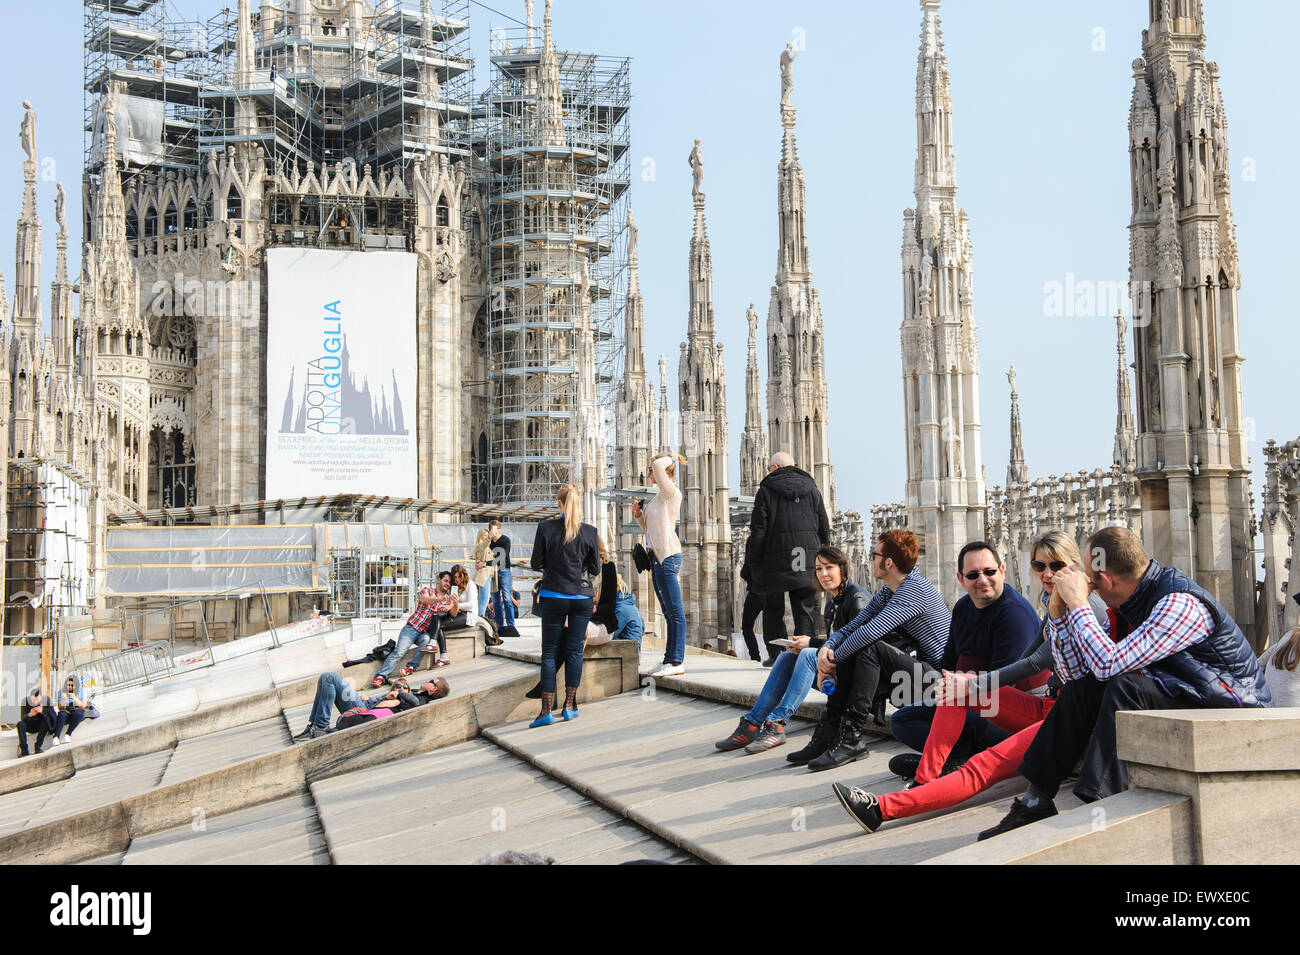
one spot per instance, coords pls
(566, 551)
(485, 570)
(994, 697)
(659, 521)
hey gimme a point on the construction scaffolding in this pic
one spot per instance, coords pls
(379, 86)
(49, 573)
(159, 57)
(557, 240)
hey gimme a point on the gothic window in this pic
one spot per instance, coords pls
(132, 225)
(169, 219)
(191, 221)
(149, 222)
(234, 205)
(443, 214)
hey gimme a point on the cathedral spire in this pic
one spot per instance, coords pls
(550, 98)
(700, 323)
(936, 166)
(62, 307)
(1125, 432)
(792, 248)
(753, 440)
(27, 241)
(1017, 471)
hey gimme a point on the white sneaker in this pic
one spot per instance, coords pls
(671, 669)
(54, 741)
(65, 737)
(656, 669)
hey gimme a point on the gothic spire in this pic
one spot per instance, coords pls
(701, 258)
(27, 241)
(1125, 430)
(634, 320)
(1017, 471)
(936, 166)
(550, 100)
(753, 440)
(792, 250)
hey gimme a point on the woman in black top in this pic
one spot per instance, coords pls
(607, 592)
(566, 551)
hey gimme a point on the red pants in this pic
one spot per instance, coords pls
(1017, 712)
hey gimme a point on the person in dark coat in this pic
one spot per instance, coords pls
(787, 527)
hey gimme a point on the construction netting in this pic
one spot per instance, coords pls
(279, 558)
(282, 558)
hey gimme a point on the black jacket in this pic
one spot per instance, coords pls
(787, 527)
(841, 609)
(566, 568)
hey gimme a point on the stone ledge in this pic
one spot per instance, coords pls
(1138, 827)
(110, 828)
(1211, 740)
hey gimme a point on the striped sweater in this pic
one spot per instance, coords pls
(916, 608)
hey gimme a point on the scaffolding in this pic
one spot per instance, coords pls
(158, 56)
(381, 88)
(49, 573)
(553, 208)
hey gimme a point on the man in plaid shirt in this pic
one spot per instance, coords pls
(1171, 646)
(416, 624)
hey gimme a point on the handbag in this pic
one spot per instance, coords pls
(640, 558)
(92, 711)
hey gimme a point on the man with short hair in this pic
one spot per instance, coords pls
(35, 715)
(334, 691)
(503, 608)
(992, 627)
(1171, 646)
(900, 634)
(787, 526)
(416, 625)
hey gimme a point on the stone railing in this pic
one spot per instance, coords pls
(1277, 613)
(887, 517)
(847, 535)
(1078, 504)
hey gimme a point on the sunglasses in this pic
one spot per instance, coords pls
(1056, 565)
(876, 553)
(987, 572)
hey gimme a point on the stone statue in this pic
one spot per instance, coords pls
(27, 133)
(59, 215)
(1011, 377)
(751, 317)
(631, 227)
(787, 72)
(697, 168)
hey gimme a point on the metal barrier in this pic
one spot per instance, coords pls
(133, 667)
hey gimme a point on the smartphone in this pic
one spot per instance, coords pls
(783, 642)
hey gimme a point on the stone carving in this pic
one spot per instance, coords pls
(27, 132)
(59, 215)
(632, 232)
(697, 168)
(787, 72)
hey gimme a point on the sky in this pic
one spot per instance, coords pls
(1041, 96)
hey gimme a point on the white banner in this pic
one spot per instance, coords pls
(340, 373)
(139, 131)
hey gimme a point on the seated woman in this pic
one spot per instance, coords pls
(993, 696)
(72, 710)
(603, 623)
(791, 677)
(466, 616)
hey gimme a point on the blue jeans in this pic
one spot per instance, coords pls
(331, 691)
(503, 608)
(911, 725)
(484, 595)
(564, 627)
(669, 591)
(408, 638)
(68, 721)
(788, 683)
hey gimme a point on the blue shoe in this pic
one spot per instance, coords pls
(570, 714)
(546, 719)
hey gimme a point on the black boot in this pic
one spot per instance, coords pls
(822, 738)
(849, 746)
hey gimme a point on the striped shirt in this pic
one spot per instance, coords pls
(916, 608)
(1080, 645)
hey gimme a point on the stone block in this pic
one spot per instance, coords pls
(1247, 817)
(1211, 740)
(48, 767)
(86, 835)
